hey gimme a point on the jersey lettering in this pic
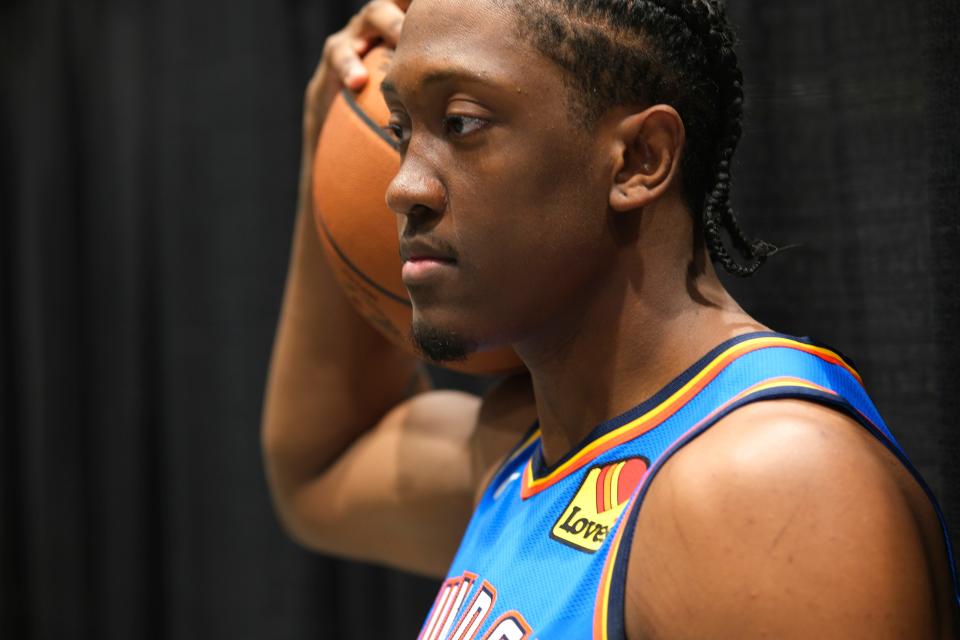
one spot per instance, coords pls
(509, 626)
(450, 620)
(445, 607)
(476, 613)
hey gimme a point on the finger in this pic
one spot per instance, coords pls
(383, 19)
(363, 45)
(346, 63)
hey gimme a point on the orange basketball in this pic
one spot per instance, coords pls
(354, 163)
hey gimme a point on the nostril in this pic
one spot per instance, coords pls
(421, 211)
(420, 218)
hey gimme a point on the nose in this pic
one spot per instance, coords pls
(415, 190)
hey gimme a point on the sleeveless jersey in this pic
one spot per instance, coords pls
(545, 554)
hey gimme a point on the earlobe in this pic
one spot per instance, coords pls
(649, 147)
(623, 199)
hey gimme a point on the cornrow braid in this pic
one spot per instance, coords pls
(718, 211)
(679, 52)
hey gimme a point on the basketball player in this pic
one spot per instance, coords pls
(688, 473)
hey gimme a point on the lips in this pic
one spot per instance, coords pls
(422, 249)
(424, 260)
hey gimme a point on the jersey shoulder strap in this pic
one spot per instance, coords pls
(758, 367)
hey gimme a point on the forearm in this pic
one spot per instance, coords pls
(331, 377)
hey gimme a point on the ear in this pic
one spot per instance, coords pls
(648, 146)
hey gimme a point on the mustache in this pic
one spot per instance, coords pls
(432, 245)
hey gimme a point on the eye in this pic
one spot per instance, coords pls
(395, 131)
(459, 126)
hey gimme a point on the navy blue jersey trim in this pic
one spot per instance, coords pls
(843, 406)
(539, 466)
(615, 621)
(828, 347)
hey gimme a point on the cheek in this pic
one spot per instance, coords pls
(554, 200)
(548, 188)
(534, 229)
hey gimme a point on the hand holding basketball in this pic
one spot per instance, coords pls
(341, 65)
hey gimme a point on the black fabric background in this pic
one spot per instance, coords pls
(148, 163)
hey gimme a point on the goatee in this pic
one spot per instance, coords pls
(439, 345)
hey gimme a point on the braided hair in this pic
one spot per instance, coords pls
(679, 52)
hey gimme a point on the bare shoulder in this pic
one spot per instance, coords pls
(486, 428)
(402, 492)
(787, 519)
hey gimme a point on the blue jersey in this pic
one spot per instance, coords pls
(545, 554)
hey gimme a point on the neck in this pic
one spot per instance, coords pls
(630, 335)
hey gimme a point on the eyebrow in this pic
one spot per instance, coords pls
(441, 75)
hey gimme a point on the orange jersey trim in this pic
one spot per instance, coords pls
(602, 608)
(531, 486)
(533, 437)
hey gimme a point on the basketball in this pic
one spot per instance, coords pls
(355, 161)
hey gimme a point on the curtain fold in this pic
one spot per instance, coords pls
(941, 55)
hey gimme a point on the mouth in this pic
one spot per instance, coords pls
(417, 270)
(423, 260)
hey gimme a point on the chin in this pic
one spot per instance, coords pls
(453, 332)
(441, 344)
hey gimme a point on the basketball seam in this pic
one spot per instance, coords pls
(356, 270)
(348, 97)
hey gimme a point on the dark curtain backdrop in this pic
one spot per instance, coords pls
(148, 165)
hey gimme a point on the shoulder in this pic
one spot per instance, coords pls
(785, 518)
(444, 424)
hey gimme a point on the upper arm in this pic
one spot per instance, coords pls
(785, 520)
(402, 493)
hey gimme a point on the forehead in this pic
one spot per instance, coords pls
(477, 36)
